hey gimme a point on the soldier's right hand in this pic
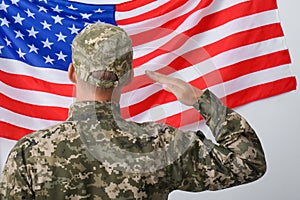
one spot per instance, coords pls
(185, 92)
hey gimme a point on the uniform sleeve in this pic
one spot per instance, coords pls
(15, 180)
(236, 159)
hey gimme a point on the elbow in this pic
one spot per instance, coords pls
(262, 169)
(258, 170)
(257, 164)
(261, 165)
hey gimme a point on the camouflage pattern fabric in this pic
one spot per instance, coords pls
(66, 161)
(102, 46)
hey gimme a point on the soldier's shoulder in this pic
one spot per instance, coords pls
(54, 133)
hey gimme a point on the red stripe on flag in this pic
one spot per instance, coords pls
(165, 29)
(36, 111)
(182, 119)
(243, 68)
(35, 84)
(238, 11)
(244, 38)
(12, 132)
(156, 99)
(253, 93)
(131, 5)
(161, 10)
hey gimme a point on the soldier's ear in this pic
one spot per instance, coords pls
(130, 78)
(72, 74)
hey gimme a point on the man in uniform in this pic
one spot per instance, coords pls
(96, 154)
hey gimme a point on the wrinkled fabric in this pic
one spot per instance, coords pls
(96, 154)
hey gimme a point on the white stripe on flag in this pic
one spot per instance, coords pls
(35, 97)
(143, 9)
(250, 80)
(158, 21)
(47, 74)
(24, 121)
(249, 51)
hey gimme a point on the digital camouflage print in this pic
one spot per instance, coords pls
(102, 46)
(96, 154)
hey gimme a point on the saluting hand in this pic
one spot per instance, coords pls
(185, 93)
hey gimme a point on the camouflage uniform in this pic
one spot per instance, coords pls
(55, 162)
(96, 154)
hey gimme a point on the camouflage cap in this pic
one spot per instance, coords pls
(102, 46)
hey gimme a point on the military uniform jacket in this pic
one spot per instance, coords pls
(95, 154)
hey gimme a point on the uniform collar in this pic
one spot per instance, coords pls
(85, 110)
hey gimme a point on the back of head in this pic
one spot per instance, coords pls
(101, 49)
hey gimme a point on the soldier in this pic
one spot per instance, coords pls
(96, 154)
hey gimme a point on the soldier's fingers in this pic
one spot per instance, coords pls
(161, 78)
(173, 89)
(165, 87)
(155, 76)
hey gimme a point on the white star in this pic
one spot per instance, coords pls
(3, 6)
(33, 48)
(56, 9)
(15, 2)
(74, 30)
(1, 47)
(18, 19)
(21, 54)
(19, 34)
(47, 43)
(48, 59)
(61, 37)
(72, 8)
(41, 8)
(4, 22)
(57, 19)
(72, 17)
(61, 56)
(99, 10)
(8, 42)
(85, 15)
(46, 25)
(30, 14)
(32, 32)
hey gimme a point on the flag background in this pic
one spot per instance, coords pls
(276, 121)
(236, 48)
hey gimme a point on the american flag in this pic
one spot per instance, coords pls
(236, 48)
